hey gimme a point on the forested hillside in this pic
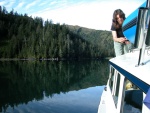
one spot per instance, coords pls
(25, 37)
(101, 39)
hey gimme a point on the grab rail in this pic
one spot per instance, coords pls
(147, 42)
(141, 32)
(141, 28)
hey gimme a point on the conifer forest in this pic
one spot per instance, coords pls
(25, 37)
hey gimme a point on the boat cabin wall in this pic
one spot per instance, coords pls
(125, 94)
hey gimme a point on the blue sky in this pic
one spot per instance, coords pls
(94, 14)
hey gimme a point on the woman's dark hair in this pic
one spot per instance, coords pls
(114, 20)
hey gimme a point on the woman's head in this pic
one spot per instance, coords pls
(118, 18)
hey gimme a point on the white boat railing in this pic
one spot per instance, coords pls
(142, 33)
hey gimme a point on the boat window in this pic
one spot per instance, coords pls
(133, 98)
(111, 77)
(117, 86)
(116, 93)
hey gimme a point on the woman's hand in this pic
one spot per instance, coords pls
(122, 39)
(127, 42)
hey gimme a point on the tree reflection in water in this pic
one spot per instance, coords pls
(24, 81)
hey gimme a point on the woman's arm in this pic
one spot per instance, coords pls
(116, 39)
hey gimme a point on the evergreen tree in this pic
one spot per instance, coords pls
(24, 37)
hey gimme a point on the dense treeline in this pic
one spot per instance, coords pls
(24, 37)
(101, 39)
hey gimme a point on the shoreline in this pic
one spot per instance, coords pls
(50, 59)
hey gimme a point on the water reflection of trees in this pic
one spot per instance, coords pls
(24, 81)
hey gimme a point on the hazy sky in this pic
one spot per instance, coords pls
(94, 14)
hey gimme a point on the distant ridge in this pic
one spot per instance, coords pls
(102, 38)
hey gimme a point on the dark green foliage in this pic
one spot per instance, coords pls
(25, 37)
(101, 41)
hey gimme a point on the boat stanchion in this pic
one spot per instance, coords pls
(141, 33)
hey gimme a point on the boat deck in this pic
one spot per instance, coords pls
(126, 65)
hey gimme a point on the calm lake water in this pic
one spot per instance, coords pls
(52, 86)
